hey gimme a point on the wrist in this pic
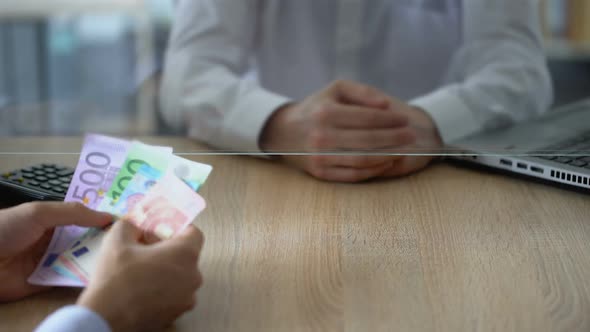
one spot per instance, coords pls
(425, 124)
(117, 319)
(272, 136)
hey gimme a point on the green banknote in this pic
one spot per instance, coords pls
(139, 154)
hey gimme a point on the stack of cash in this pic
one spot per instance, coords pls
(146, 185)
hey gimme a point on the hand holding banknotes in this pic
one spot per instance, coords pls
(148, 185)
(25, 232)
(138, 287)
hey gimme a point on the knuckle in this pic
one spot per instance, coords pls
(322, 114)
(75, 206)
(318, 139)
(334, 85)
(404, 136)
(338, 84)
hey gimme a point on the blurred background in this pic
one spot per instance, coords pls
(73, 66)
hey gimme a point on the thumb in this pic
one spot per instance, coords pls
(24, 225)
(354, 93)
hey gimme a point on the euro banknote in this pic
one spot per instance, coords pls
(164, 211)
(139, 154)
(194, 174)
(100, 161)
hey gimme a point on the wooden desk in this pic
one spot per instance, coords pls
(448, 249)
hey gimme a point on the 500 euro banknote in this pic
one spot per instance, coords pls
(100, 161)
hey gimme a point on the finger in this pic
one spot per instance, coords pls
(193, 237)
(352, 161)
(42, 216)
(407, 165)
(370, 140)
(124, 231)
(19, 230)
(358, 117)
(359, 94)
(351, 175)
(52, 214)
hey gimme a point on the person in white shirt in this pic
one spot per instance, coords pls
(307, 76)
(136, 287)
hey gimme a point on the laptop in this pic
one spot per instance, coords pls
(554, 147)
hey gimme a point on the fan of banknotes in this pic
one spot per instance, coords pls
(147, 185)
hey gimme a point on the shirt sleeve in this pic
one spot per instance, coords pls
(74, 319)
(206, 88)
(499, 76)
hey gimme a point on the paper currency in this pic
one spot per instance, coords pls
(166, 209)
(79, 263)
(194, 174)
(139, 154)
(150, 185)
(138, 187)
(145, 178)
(100, 160)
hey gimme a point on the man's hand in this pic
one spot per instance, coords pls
(428, 142)
(25, 232)
(344, 117)
(138, 287)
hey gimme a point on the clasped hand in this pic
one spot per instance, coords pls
(369, 130)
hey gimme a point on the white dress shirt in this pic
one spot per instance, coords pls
(472, 65)
(74, 319)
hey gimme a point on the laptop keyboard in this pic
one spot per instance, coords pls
(574, 152)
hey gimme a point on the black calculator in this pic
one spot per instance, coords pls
(45, 182)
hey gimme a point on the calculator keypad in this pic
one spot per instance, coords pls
(49, 178)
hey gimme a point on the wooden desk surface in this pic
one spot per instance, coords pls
(448, 249)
